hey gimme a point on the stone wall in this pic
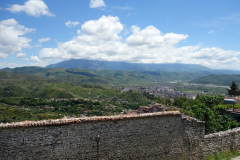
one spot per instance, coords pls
(163, 135)
(221, 141)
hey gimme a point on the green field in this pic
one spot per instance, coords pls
(201, 88)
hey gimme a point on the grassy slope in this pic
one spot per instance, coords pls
(18, 85)
(51, 82)
(106, 77)
(218, 79)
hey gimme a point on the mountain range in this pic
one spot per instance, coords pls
(109, 73)
(124, 66)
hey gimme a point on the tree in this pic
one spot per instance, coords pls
(234, 90)
(210, 101)
(214, 122)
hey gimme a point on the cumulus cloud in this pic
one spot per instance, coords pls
(12, 37)
(214, 53)
(101, 40)
(97, 3)
(35, 8)
(35, 59)
(71, 23)
(44, 40)
(21, 55)
(152, 37)
(105, 28)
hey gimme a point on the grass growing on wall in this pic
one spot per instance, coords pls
(227, 155)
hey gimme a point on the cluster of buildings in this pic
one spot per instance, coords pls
(172, 90)
(163, 91)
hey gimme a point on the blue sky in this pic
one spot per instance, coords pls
(42, 32)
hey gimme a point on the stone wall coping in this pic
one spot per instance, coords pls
(53, 122)
(185, 117)
(223, 133)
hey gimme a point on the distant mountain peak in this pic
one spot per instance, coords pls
(126, 66)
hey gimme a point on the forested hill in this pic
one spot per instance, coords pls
(22, 85)
(8, 76)
(225, 79)
(112, 78)
(106, 77)
(68, 83)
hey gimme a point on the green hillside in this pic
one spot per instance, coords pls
(19, 85)
(40, 82)
(217, 79)
(106, 77)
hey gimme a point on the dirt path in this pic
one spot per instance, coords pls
(236, 158)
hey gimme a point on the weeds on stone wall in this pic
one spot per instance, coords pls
(227, 155)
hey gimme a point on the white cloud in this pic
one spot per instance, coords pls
(100, 40)
(214, 53)
(211, 31)
(44, 40)
(10, 65)
(152, 37)
(21, 55)
(35, 59)
(97, 3)
(129, 14)
(39, 64)
(34, 8)
(71, 23)
(13, 65)
(38, 45)
(79, 31)
(11, 37)
(105, 28)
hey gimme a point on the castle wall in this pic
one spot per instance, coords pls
(162, 135)
(221, 141)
